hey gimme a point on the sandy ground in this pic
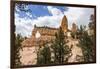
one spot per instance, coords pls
(75, 50)
(29, 54)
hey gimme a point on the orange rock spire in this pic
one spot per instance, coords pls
(64, 24)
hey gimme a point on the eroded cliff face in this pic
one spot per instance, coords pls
(47, 33)
(30, 45)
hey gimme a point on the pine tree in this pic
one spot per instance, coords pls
(61, 50)
(91, 24)
(73, 34)
(86, 43)
(18, 47)
(44, 55)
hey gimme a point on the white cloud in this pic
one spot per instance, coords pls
(23, 25)
(74, 13)
(16, 8)
(54, 11)
(29, 14)
(51, 21)
(26, 25)
(78, 15)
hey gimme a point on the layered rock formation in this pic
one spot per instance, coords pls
(46, 34)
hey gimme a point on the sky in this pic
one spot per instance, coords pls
(47, 15)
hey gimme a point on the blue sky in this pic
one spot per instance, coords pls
(44, 15)
(38, 10)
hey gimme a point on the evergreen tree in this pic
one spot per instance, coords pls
(44, 55)
(18, 47)
(86, 43)
(73, 34)
(91, 24)
(61, 50)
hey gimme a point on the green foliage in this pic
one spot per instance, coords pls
(73, 34)
(44, 55)
(61, 51)
(60, 48)
(86, 44)
(92, 22)
(17, 48)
